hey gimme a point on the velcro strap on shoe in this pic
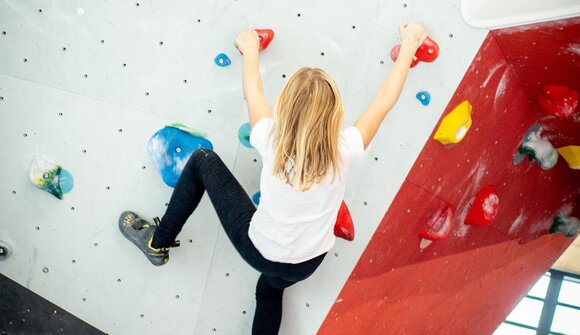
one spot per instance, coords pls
(138, 225)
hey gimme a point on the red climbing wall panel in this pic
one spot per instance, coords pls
(546, 54)
(468, 282)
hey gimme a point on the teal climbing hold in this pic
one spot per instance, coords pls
(65, 181)
(222, 60)
(244, 134)
(424, 97)
(256, 197)
(50, 177)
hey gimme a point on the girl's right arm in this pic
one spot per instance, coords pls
(412, 36)
(248, 43)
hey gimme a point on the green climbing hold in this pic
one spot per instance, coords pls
(567, 225)
(537, 149)
(191, 131)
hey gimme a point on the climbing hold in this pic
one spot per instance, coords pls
(222, 60)
(256, 197)
(567, 225)
(171, 147)
(187, 129)
(244, 134)
(5, 250)
(537, 149)
(438, 227)
(424, 97)
(344, 227)
(484, 208)
(455, 125)
(558, 100)
(50, 177)
(571, 154)
(266, 36)
(427, 52)
(66, 181)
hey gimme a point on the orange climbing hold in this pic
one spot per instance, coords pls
(427, 52)
(344, 227)
(266, 36)
(484, 208)
(558, 100)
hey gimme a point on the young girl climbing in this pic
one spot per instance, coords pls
(305, 157)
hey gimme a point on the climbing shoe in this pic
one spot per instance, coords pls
(140, 232)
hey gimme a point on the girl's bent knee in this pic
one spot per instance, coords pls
(202, 158)
(203, 152)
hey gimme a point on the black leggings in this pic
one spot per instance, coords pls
(205, 171)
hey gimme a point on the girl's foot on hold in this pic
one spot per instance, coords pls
(140, 232)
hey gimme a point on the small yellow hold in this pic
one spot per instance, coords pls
(571, 154)
(455, 125)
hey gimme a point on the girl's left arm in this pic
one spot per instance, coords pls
(248, 43)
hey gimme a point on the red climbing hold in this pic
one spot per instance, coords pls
(427, 52)
(484, 208)
(558, 100)
(344, 228)
(439, 226)
(266, 36)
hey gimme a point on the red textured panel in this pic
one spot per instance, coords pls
(468, 282)
(485, 153)
(529, 196)
(455, 286)
(546, 54)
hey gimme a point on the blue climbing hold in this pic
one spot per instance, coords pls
(256, 197)
(424, 97)
(222, 60)
(244, 134)
(170, 149)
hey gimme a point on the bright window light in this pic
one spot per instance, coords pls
(507, 329)
(540, 287)
(527, 312)
(566, 321)
(570, 294)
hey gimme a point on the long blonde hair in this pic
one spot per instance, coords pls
(308, 115)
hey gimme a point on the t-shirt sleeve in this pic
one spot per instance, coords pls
(260, 134)
(352, 145)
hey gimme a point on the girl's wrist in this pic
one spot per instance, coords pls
(409, 45)
(251, 51)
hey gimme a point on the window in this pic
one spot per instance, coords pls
(552, 306)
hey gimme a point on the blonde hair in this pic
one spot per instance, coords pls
(308, 115)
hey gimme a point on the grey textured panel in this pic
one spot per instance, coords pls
(24, 312)
(93, 271)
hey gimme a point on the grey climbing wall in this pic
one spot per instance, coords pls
(86, 83)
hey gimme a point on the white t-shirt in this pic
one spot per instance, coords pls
(290, 226)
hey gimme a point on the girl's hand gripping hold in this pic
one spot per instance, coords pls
(248, 41)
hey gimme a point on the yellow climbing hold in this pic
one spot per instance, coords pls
(455, 125)
(571, 154)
